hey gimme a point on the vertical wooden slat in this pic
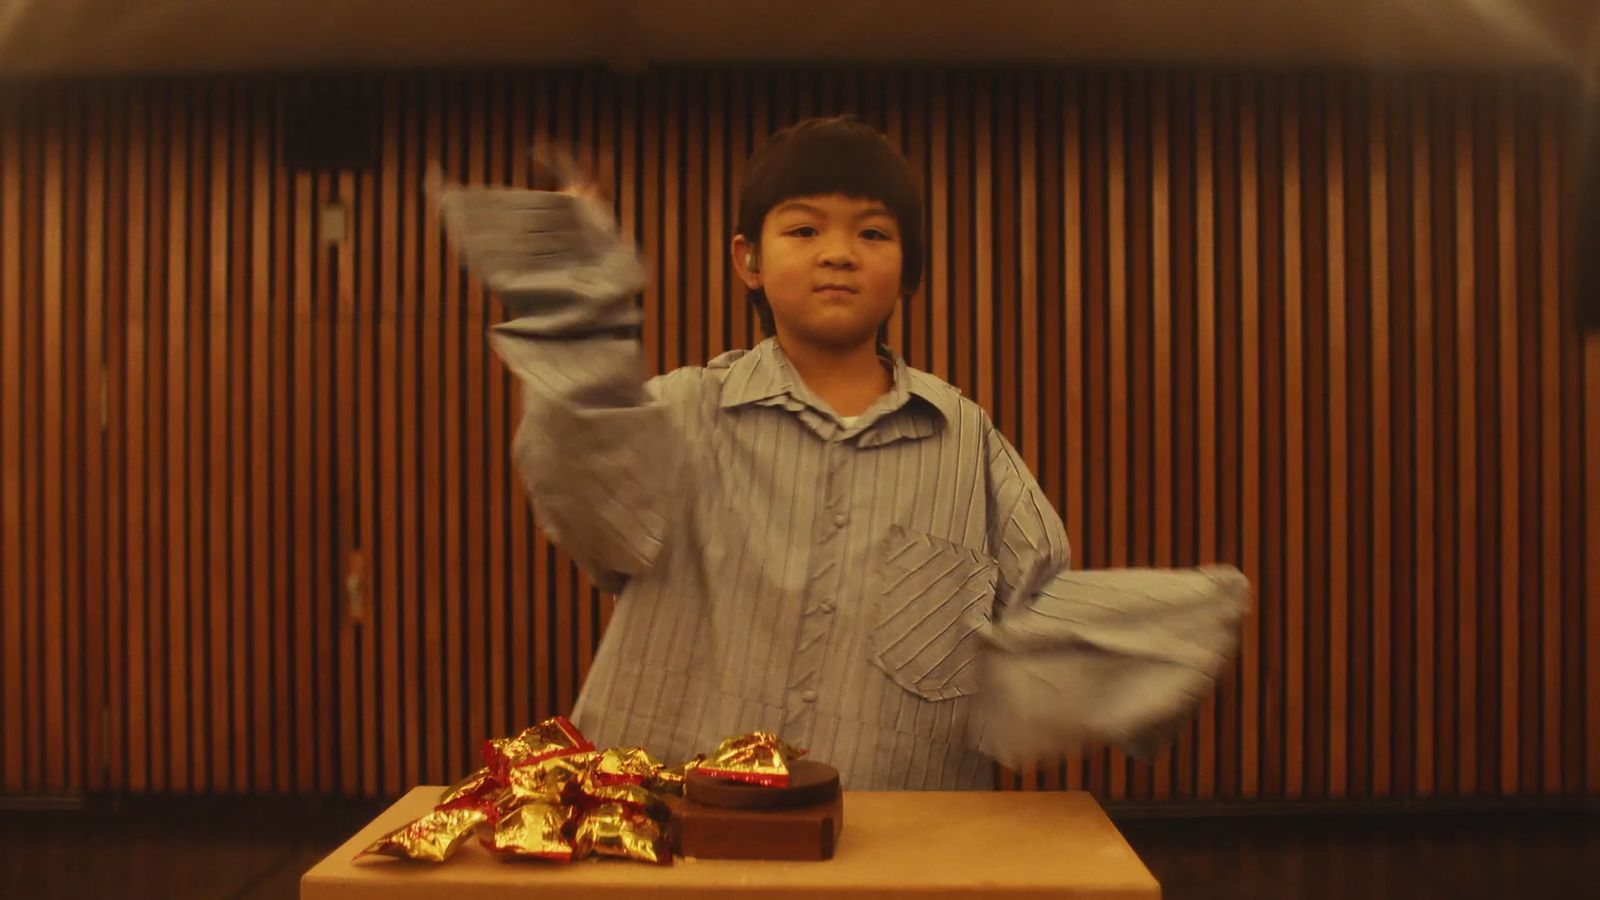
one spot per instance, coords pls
(52, 439)
(1379, 290)
(136, 339)
(522, 594)
(983, 246)
(11, 430)
(219, 587)
(303, 331)
(431, 597)
(113, 707)
(175, 477)
(471, 467)
(283, 525)
(1294, 450)
(239, 451)
(1206, 381)
(453, 717)
(387, 596)
(1338, 638)
(1466, 474)
(1117, 358)
(1423, 417)
(76, 385)
(1509, 467)
(1549, 231)
(495, 472)
(260, 446)
(1250, 426)
(197, 535)
(939, 246)
(1591, 556)
(366, 305)
(1073, 332)
(347, 536)
(1161, 357)
(409, 590)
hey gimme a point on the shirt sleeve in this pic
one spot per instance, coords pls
(1118, 656)
(594, 436)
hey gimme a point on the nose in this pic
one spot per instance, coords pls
(837, 252)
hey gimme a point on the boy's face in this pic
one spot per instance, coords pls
(830, 266)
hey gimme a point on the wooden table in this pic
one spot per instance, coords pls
(897, 844)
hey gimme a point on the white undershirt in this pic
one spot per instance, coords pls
(848, 421)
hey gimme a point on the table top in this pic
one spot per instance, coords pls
(908, 843)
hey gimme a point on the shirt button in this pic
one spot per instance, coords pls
(826, 606)
(809, 696)
(839, 520)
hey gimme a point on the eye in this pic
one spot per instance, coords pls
(801, 231)
(877, 234)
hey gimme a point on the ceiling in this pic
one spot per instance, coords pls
(121, 36)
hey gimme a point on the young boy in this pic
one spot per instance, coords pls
(811, 537)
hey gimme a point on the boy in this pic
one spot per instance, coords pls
(811, 537)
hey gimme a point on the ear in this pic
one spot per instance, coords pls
(744, 254)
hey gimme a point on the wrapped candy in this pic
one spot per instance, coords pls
(433, 837)
(586, 794)
(547, 793)
(615, 830)
(669, 779)
(552, 737)
(544, 779)
(630, 765)
(755, 758)
(534, 830)
(478, 784)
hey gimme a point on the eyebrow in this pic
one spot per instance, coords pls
(799, 206)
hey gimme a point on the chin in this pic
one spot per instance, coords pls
(838, 335)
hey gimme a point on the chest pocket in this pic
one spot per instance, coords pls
(930, 599)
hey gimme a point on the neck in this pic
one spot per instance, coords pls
(848, 379)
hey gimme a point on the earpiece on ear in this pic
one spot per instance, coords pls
(750, 262)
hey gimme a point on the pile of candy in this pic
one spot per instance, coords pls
(548, 793)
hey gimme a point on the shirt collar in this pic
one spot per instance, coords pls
(764, 373)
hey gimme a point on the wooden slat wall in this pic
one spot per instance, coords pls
(1316, 325)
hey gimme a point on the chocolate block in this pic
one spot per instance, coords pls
(799, 833)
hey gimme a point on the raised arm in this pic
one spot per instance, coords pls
(594, 442)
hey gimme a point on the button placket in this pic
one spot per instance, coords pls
(817, 620)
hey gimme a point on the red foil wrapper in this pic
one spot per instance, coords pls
(755, 758)
(612, 829)
(552, 737)
(534, 830)
(433, 837)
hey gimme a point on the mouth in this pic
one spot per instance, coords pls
(836, 290)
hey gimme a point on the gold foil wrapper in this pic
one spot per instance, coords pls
(534, 830)
(630, 765)
(545, 779)
(612, 829)
(477, 784)
(585, 794)
(755, 758)
(433, 837)
(552, 737)
(669, 779)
